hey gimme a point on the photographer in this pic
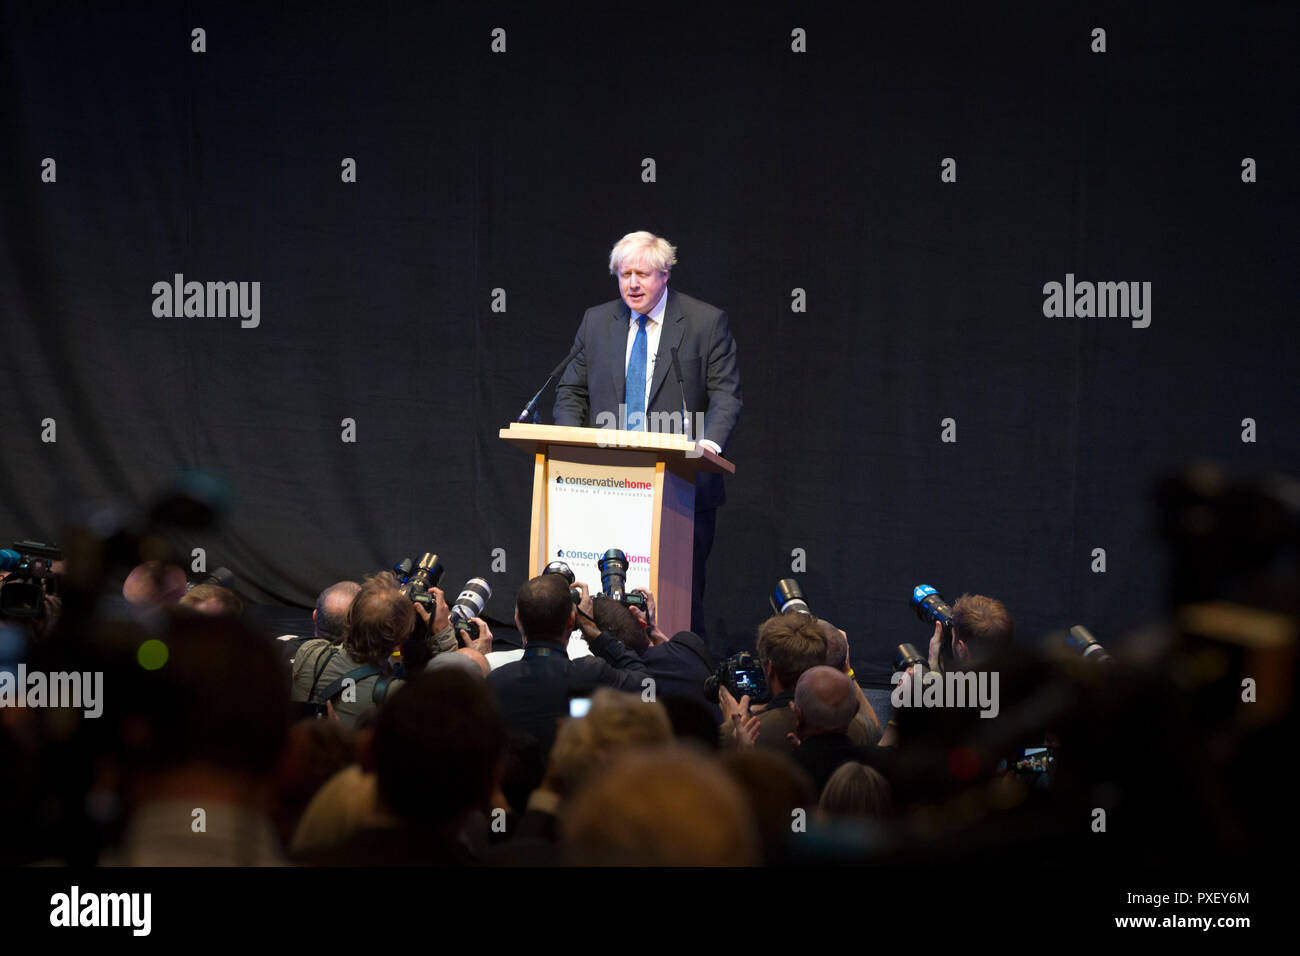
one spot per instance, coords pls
(533, 692)
(981, 627)
(837, 656)
(788, 645)
(679, 665)
(357, 674)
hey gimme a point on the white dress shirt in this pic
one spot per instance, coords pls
(653, 327)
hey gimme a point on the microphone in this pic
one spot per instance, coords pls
(530, 410)
(686, 415)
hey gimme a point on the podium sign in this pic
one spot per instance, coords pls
(592, 506)
(595, 489)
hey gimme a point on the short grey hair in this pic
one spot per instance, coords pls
(654, 251)
(825, 699)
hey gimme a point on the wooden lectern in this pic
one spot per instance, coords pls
(598, 488)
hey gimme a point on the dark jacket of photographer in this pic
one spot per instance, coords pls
(533, 692)
(777, 719)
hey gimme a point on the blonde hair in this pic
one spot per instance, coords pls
(617, 721)
(654, 251)
(347, 802)
(856, 790)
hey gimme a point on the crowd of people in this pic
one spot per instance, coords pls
(391, 737)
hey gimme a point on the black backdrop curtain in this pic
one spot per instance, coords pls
(775, 171)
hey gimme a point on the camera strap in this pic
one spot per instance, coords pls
(357, 675)
(322, 661)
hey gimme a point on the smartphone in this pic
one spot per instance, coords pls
(578, 706)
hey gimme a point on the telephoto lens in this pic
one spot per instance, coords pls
(613, 574)
(908, 656)
(929, 606)
(613, 579)
(566, 572)
(788, 596)
(1081, 640)
(469, 604)
(426, 575)
(402, 570)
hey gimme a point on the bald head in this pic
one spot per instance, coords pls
(466, 659)
(479, 660)
(824, 702)
(154, 583)
(332, 609)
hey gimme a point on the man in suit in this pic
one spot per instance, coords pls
(532, 694)
(679, 666)
(623, 376)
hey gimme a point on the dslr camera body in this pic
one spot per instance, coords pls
(741, 675)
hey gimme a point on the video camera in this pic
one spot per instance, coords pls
(30, 579)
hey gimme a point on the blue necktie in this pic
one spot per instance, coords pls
(634, 392)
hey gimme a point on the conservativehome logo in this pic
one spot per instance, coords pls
(604, 483)
(209, 300)
(77, 690)
(597, 555)
(951, 689)
(75, 908)
(1083, 300)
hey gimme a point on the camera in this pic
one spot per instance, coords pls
(417, 583)
(1080, 639)
(613, 580)
(741, 675)
(566, 572)
(930, 607)
(30, 579)
(469, 604)
(908, 657)
(788, 596)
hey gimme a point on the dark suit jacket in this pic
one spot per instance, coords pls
(677, 669)
(823, 754)
(596, 380)
(533, 693)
